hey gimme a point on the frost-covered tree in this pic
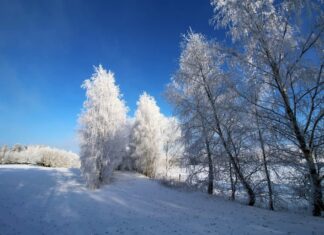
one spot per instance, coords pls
(127, 162)
(146, 138)
(173, 148)
(3, 150)
(281, 50)
(102, 122)
(200, 90)
(194, 127)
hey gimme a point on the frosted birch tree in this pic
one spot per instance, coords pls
(102, 122)
(201, 87)
(146, 138)
(172, 145)
(197, 137)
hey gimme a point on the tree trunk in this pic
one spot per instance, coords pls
(233, 184)
(266, 171)
(100, 170)
(316, 189)
(245, 183)
(210, 169)
(238, 172)
(240, 175)
(265, 164)
(209, 156)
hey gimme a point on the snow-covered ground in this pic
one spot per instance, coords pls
(36, 200)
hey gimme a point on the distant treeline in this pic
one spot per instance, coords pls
(38, 155)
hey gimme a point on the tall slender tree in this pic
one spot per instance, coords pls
(172, 145)
(201, 87)
(146, 137)
(102, 120)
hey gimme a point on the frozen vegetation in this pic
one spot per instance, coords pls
(248, 118)
(247, 126)
(42, 200)
(38, 155)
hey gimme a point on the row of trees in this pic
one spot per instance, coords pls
(257, 104)
(38, 155)
(250, 110)
(109, 140)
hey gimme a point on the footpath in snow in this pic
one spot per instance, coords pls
(36, 200)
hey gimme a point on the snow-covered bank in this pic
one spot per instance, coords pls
(36, 200)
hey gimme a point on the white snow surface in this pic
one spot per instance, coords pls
(37, 200)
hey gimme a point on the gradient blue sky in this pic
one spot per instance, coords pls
(47, 48)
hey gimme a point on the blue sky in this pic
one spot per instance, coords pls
(47, 48)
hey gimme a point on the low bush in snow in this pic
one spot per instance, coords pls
(38, 155)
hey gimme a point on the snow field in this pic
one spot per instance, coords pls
(37, 200)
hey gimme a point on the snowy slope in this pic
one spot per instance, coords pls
(35, 200)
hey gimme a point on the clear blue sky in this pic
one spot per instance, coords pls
(47, 48)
